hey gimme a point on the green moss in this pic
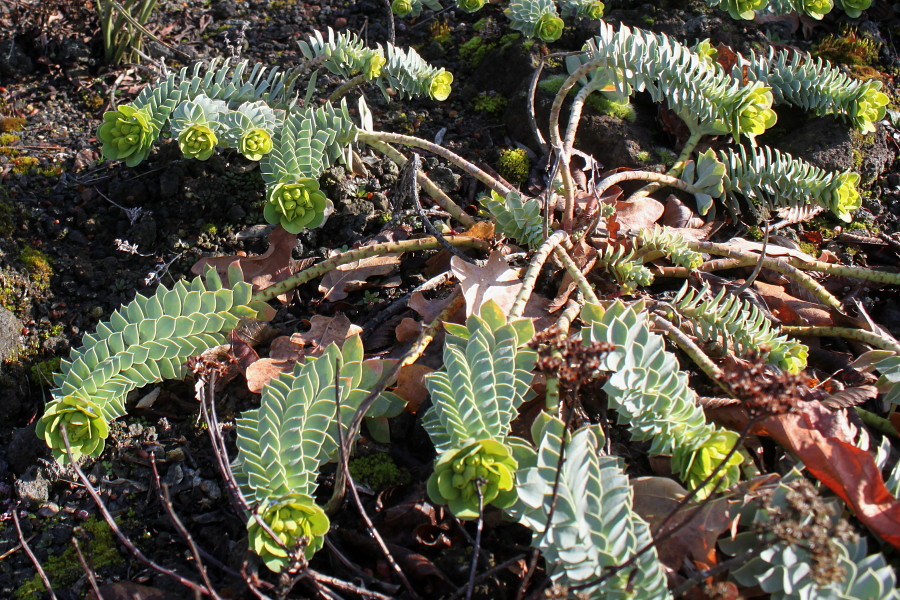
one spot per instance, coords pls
(665, 155)
(514, 165)
(857, 159)
(473, 51)
(92, 101)
(552, 84)
(7, 151)
(24, 164)
(210, 229)
(6, 219)
(8, 124)
(490, 103)
(99, 547)
(756, 233)
(7, 139)
(42, 372)
(644, 156)
(614, 108)
(378, 471)
(440, 31)
(483, 24)
(37, 264)
(509, 38)
(809, 248)
(848, 48)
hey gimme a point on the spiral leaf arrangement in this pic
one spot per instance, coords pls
(773, 180)
(671, 244)
(739, 326)
(747, 9)
(593, 527)
(815, 84)
(486, 376)
(516, 217)
(707, 99)
(146, 341)
(651, 395)
(282, 444)
(790, 571)
(622, 265)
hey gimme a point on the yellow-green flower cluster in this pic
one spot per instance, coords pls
(85, 424)
(374, 66)
(755, 114)
(439, 84)
(695, 465)
(817, 9)
(126, 134)
(197, 141)
(871, 107)
(255, 143)
(845, 198)
(549, 27)
(470, 5)
(459, 474)
(296, 206)
(292, 519)
(402, 8)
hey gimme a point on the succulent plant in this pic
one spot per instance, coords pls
(695, 465)
(460, 475)
(296, 205)
(292, 519)
(126, 135)
(85, 424)
(197, 141)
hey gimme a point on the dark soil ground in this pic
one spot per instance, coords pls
(79, 236)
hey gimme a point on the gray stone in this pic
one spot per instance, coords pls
(24, 449)
(10, 334)
(31, 487)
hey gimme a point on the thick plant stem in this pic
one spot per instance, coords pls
(783, 267)
(583, 285)
(848, 333)
(557, 142)
(534, 269)
(414, 142)
(879, 424)
(675, 170)
(687, 345)
(319, 269)
(346, 87)
(431, 188)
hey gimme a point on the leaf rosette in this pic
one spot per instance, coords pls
(817, 9)
(470, 5)
(755, 114)
(402, 8)
(594, 10)
(871, 108)
(255, 143)
(85, 424)
(197, 141)
(845, 198)
(696, 464)
(459, 473)
(374, 66)
(291, 519)
(439, 85)
(854, 8)
(296, 205)
(126, 134)
(549, 27)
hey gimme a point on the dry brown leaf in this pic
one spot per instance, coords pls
(408, 330)
(818, 438)
(337, 283)
(642, 213)
(285, 351)
(494, 281)
(678, 214)
(790, 310)
(411, 386)
(270, 267)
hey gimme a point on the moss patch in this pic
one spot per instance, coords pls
(377, 471)
(514, 165)
(8, 124)
(38, 266)
(97, 543)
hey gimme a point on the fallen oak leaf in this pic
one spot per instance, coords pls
(639, 214)
(847, 470)
(270, 267)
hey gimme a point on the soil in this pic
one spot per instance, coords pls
(79, 236)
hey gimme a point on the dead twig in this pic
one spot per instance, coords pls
(37, 565)
(88, 571)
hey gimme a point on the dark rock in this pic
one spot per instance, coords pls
(10, 334)
(503, 70)
(446, 179)
(827, 143)
(32, 488)
(13, 60)
(24, 449)
(236, 213)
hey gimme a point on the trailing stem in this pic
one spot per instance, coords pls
(534, 269)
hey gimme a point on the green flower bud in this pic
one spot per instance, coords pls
(459, 473)
(791, 358)
(126, 134)
(845, 198)
(854, 8)
(705, 50)
(296, 205)
(291, 519)
(402, 8)
(255, 144)
(549, 27)
(817, 8)
(470, 5)
(197, 141)
(755, 114)
(743, 9)
(373, 67)
(870, 107)
(694, 466)
(439, 85)
(85, 426)
(593, 11)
